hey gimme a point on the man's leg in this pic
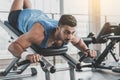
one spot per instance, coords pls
(27, 4)
(20, 4)
(17, 5)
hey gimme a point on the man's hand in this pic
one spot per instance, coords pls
(91, 53)
(33, 58)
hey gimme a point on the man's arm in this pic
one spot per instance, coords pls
(19, 46)
(79, 43)
(34, 36)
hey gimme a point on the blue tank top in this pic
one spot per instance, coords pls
(28, 17)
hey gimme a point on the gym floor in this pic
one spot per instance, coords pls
(87, 74)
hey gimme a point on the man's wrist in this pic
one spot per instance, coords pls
(87, 51)
(24, 55)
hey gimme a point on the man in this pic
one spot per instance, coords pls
(39, 29)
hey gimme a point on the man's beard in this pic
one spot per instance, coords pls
(66, 41)
(59, 37)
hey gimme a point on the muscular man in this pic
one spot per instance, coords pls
(39, 29)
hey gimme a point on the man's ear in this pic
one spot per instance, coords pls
(58, 28)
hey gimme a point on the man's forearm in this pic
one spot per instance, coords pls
(15, 49)
(81, 45)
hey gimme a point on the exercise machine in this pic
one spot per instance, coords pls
(111, 35)
(11, 73)
(46, 65)
(73, 64)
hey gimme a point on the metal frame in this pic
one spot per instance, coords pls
(103, 37)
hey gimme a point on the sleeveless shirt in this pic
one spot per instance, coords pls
(28, 17)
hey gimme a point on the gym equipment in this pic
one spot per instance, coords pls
(15, 63)
(46, 66)
(10, 73)
(15, 74)
(105, 33)
(104, 36)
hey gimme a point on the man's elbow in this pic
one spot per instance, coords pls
(12, 49)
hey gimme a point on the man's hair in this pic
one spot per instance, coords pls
(67, 20)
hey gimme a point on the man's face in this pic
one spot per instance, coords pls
(66, 33)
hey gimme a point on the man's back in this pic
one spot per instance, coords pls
(28, 17)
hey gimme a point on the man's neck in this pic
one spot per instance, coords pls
(54, 35)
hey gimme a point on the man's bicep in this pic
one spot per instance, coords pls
(24, 41)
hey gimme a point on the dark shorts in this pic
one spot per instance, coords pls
(13, 18)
